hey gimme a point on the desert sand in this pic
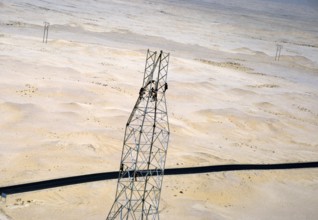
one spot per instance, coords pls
(64, 104)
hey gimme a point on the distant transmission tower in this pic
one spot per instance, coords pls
(278, 51)
(46, 31)
(145, 146)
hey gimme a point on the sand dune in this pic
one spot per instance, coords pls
(64, 104)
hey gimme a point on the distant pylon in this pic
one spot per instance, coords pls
(278, 51)
(145, 146)
(46, 31)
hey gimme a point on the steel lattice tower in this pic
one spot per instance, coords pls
(145, 146)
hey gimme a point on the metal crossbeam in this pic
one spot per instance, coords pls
(145, 146)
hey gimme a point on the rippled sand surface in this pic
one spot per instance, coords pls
(64, 104)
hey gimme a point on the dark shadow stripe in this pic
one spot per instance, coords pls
(238, 167)
(46, 184)
(28, 187)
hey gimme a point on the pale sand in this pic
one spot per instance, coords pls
(64, 104)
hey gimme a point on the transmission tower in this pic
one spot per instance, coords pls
(145, 146)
